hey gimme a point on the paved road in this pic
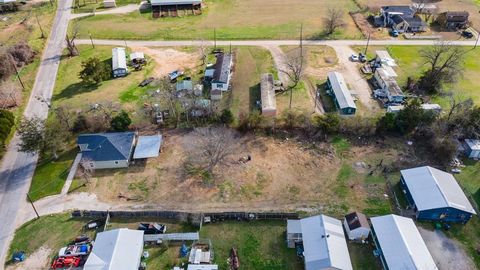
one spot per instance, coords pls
(119, 10)
(162, 43)
(17, 168)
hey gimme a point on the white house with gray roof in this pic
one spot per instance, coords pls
(400, 244)
(119, 62)
(221, 76)
(324, 244)
(435, 195)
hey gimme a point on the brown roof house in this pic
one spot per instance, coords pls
(453, 20)
(356, 225)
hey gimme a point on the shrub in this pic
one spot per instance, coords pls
(94, 71)
(6, 67)
(21, 53)
(121, 122)
(227, 117)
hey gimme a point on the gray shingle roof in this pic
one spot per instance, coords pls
(106, 146)
(339, 88)
(405, 10)
(432, 188)
(222, 68)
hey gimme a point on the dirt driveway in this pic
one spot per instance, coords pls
(351, 73)
(446, 252)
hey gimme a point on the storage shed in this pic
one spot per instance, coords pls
(323, 242)
(472, 148)
(400, 244)
(435, 195)
(357, 227)
(119, 62)
(294, 232)
(109, 3)
(337, 88)
(267, 91)
(202, 267)
(119, 249)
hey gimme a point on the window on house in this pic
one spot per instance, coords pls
(92, 165)
(116, 162)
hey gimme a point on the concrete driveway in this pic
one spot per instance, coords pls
(447, 253)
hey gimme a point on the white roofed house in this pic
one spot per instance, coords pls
(221, 76)
(119, 62)
(435, 195)
(267, 91)
(388, 86)
(383, 58)
(400, 244)
(324, 244)
(119, 249)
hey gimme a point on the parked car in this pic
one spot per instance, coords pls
(75, 250)
(63, 262)
(93, 224)
(467, 34)
(354, 58)
(152, 228)
(362, 57)
(394, 33)
(174, 75)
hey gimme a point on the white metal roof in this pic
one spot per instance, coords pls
(385, 58)
(425, 106)
(339, 87)
(401, 244)
(324, 243)
(148, 146)
(294, 226)
(267, 93)
(473, 144)
(119, 58)
(137, 55)
(119, 249)
(202, 267)
(432, 188)
(175, 2)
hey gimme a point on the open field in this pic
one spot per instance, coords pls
(410, 65)
(232, 19)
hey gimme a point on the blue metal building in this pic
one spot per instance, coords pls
(435, 195)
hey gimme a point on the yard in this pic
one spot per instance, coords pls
(232, 19)
(88, 6)
(410, 65)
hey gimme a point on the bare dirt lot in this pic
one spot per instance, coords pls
(282, 174)
(37, 260)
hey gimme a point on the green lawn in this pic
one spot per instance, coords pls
(362, 256)
(82, 6)
(50, 176)
(247, 19)
(410, 65)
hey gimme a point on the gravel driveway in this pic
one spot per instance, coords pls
(447, 253)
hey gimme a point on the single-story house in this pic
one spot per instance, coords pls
(388, 12)
(389, 87)
(148, 146)
(400, 245)
(175, 2)
(454, 20)
(119, 62)
(356, 225)
(221, 76)
(119, 249)
(413, 24)
(435, 195)
(472, 148)
(323, 240)
(202, 267)
(109, 3)
(426, 106)
(106, 150)
(137, 58)
(267, 91)
(383, 59)
(337, 88)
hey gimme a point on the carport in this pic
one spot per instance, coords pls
(148, 147)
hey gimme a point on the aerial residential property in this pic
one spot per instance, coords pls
(436, 195)
(239, 135)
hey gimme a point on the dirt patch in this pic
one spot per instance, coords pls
(168, 60)
(37, 260)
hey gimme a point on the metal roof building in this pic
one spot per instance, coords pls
(472, 148)
(269, 103)
(384, 58)
(324, 244)
(119, 249)
(119, 62)
(147, 146)
(175, 2)
(337, 86)
(400, 243)
(436, 195)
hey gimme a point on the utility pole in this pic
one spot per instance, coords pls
(91, 40)
(301, 64)
(126, 47)
(214, 39)
(31, 202)
(476, 42)
(16, 71)
(368, 42)
(38, 22)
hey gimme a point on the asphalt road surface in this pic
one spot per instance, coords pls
(17, 168)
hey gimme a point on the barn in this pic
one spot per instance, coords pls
(435, 195)
(171, 8)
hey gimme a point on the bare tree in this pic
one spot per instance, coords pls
(202, 50)
(87, 170)
(334, 20)
(294, 68)
(71, 47)
(216, 145)
(64, 116)
(444, 65)
(10, 95)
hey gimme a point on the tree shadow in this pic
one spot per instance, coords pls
(254, 96)
(75, 89)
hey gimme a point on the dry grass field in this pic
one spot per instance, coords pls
(232, 19)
